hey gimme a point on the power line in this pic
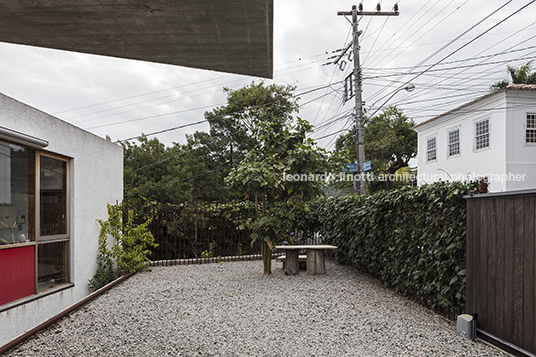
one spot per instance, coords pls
(405, 25)
(186, 152)
(181, 180)
(451, 62)
(221, 116)
(326, 136)
(466, 44)
(448, 69)
(153, 116)
(427, 31)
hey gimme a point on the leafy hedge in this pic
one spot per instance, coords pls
(412, 239)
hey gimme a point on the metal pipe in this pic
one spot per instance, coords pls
(22, 138)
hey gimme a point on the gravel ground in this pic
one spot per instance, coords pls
(232, 309)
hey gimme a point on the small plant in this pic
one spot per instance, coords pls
(129, 253)
(106, 267)
(206, 254)
(211, 250)
(239, 249)
(212, 247)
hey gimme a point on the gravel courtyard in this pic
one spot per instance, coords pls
(232, 309)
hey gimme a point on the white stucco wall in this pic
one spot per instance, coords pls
(507, 156)
(520, 155)
(96, 174)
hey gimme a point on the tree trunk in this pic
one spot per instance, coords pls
(266, 258)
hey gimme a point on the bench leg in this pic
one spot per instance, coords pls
(315, 262)
(291, 266)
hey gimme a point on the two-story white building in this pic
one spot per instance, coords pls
(492, 137)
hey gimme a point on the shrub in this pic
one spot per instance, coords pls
(131, 249)
(412, 239)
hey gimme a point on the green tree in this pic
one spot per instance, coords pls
(521, 75)
(232, 125)
(195, 170)
(266, 175)
(183, 172)
(389, 144)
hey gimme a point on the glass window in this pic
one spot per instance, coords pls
(431, 149)
(52, 244)
(17, 194)
(482, 134)
(34, 225)
(530, 136)
(53, 197)
(51, 264)
(454, 142)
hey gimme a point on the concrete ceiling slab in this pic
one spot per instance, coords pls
(234, 36)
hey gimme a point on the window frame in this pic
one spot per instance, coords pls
(434, 149)
(57, 237)
(476, 136)
(40, 240)
(527, 129)
(449, 143)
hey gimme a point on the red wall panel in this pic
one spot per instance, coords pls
(17, 273)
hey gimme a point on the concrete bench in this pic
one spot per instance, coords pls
(314, 258)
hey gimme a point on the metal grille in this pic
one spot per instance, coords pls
(454, 142)
(482, 134)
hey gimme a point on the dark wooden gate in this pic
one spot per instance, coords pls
(501, 269)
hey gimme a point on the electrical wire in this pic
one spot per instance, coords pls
(176, 181)
(216, 117)
(466, 44)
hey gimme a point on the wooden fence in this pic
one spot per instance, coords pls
(501, 268)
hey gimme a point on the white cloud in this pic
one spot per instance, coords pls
(96, 90)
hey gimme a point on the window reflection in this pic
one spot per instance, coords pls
(17, 193)
(53, 197)
(52, 264)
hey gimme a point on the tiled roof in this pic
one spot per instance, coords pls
(519, 87)
(522, 86)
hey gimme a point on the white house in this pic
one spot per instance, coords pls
(492, 137)
(55, 181)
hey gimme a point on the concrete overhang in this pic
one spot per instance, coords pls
(234, 36)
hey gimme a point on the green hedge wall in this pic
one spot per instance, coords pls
(412, 239)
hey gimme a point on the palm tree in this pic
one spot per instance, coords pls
(521, 75)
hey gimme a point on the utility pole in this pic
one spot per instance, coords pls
(361, 185)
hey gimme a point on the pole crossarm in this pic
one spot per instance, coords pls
(369, 13)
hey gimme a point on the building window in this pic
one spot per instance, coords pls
(17, 194)
(530, 137)
(454, 142)
(431, 153)
(53, 197)
(482, 134)
(34, 224)
(52, 246)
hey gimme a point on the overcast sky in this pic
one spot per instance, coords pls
(124, 98)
